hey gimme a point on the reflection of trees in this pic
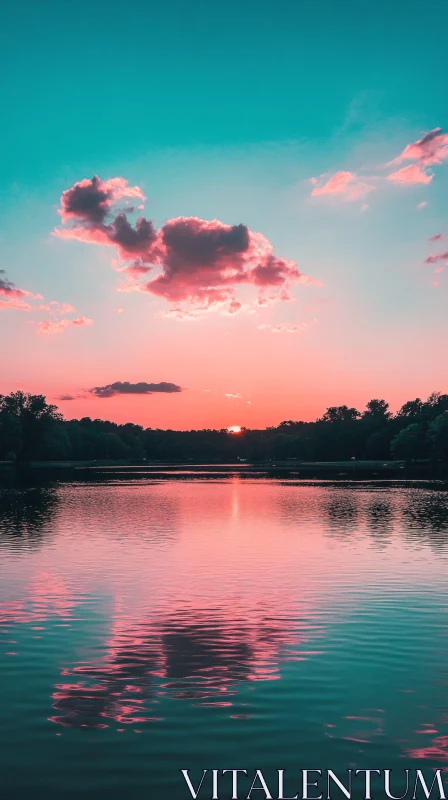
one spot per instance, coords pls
(337, 507)
(418, 514)
(202, 660)
(426, 518)
(25, 515)
(380, 521)
(121, 511)
(341, 512)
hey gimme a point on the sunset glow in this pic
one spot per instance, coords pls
(264, 241)
(224, 400)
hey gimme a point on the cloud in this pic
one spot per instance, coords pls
(134, 270)
(15, 300)
(422, 205)
(62, 308)
(346, 185)
(288, 327)
(204, 262)
(10, 290)
(54, 307)
(436, 237)
(124, 387)
(183, 314)
(49, 327)
(16, 305)
(413, 173)
(66, 397)
(91, 200)
(233, 396)
(432, 148)
(433, 258)
(80, 321)
(198, 262)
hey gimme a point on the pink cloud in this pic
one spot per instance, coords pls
(54, 307)
(413, 173)
(63, 308)
(49, 327)
(79, 321)
(422, 205)
(17, 305)
(182, 314)
(433, 258)
(432, 148)
(199, 262)
(15, 300)
(204, 261)
(135, 270)
(9, 289)
(346, 185)
(288, 327)
(119, 187)
(436, 237)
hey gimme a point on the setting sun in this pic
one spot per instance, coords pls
(234, 429)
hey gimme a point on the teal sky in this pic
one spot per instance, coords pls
(226, 110)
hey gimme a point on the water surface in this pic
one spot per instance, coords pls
(148, 625)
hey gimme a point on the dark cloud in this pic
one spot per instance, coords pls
(66, 397)
(204, 262)
(89, 200)
(124, 387)
(129, 239)
(190, 242)
(272, 272)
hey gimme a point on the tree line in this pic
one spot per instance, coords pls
(33, 430)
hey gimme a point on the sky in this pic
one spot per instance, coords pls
(219, 214)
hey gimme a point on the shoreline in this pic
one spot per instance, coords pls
(331, 470)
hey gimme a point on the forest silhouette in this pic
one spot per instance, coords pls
(33, 430)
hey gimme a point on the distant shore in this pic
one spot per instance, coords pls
(334, 470)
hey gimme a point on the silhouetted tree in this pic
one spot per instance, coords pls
(27, 424)
(438, 436)
(410, 443)
(30, 428)
(412, 409)
(377, 410)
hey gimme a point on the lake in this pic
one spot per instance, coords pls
(226, 621)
